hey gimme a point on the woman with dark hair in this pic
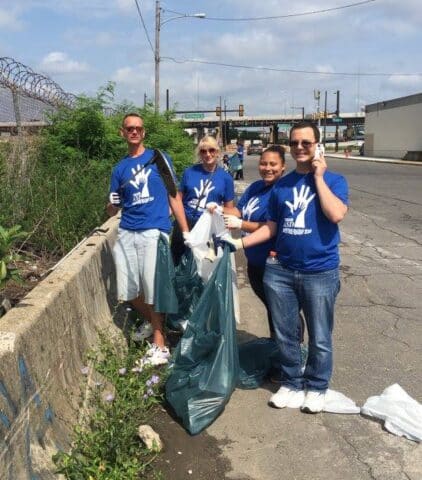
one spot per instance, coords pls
(251, 213)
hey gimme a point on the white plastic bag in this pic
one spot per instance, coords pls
(336, 402)
(402, 413)
(210, 224)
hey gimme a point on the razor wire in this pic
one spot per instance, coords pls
(27, 96)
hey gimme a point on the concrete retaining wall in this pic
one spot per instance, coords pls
(42, 346)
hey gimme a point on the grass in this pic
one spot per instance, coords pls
(122, 396)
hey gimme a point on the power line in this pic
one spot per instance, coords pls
(275, 17)
(290, 70)
(143, 24)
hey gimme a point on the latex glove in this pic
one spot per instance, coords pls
(187, 239)
(114, 199)
(214, 207)
(231, 221)
(233, 243)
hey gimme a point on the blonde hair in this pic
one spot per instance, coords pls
(208, 142)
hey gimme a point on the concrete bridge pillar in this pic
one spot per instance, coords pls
(274, 133)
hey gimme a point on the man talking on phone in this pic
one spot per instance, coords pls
(304, 210)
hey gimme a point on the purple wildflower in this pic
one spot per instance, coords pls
(85, 370)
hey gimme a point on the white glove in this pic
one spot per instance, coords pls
(214, 207)
(114, 199)
(187, 239)
(233, 243)
(231, 221)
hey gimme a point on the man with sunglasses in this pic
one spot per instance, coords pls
(137, 188)
(305, 208)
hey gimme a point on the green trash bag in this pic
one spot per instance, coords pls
(165, 299)
(259, 359)
(206, 362)
(189, 287)
(256, 359)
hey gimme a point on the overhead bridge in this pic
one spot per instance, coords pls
(212, 121)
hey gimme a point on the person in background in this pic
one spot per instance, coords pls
(201, 184)
(226, 164)
(240, 153)
(304, 211)
(138, 191)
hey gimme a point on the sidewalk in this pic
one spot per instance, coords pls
(252, 441)
(371, 159)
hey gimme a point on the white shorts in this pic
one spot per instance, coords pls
(135, 255)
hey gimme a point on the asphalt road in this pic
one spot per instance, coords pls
(377, 341)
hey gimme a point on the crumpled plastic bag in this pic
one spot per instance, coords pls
(208, 226)
(205, 363)
(402, 414)
(337, 402)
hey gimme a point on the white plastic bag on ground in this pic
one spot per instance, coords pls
(210, 224)
(402, 413)
(336, 402)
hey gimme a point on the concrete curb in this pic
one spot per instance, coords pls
(372, 159)
(43, 342)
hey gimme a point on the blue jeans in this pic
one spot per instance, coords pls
(287, 292)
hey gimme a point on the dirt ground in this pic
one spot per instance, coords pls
(33, 268)
(185, 456)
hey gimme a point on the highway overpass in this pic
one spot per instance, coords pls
(199, 120)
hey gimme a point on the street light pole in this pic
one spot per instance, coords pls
(157, 56)
(157, 59)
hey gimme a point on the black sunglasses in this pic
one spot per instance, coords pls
(205, 150)
(304, 143)
(132, 129)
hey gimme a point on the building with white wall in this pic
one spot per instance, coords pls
(393, 128)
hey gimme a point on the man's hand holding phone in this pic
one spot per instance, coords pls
(318, 162)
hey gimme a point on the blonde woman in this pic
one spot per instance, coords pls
(203, 183)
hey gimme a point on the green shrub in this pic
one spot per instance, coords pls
(60, 195)
(106, 445)
(8, 238)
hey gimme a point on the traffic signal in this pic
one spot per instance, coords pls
(241, 110)
(218, 111)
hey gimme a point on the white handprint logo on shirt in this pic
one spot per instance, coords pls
(202, 193)
(300, 204)
(251, 207)
(141, 177)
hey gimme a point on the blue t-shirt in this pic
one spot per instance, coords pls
(306, 240)
(239, 151)
(143, 195)
(199, 184)
(254, 208)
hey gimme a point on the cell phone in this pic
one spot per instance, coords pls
(318, 152)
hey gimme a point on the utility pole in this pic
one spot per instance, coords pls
(145, 100)
(167, 100)
(337, 115)
(220, 125)
(325, 118)
(157, 56)
(225, 125)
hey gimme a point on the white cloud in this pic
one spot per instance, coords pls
(59, 62)
(405, 80)
(9, 20)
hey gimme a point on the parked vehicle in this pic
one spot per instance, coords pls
(254, 149)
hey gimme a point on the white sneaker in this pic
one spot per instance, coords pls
(314, 402)
(157, 355)
(143, 332)
(287, 397)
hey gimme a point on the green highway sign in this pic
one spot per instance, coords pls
(337, 119)
(193, 116)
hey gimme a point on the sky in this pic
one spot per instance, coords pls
(83, 44)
